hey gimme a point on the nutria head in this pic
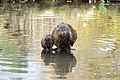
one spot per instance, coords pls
(63, 30)
(47, 42)
(48, 37)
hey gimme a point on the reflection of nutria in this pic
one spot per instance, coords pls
(64, 36)
(61, 61)
(65, 61)
(47, 42)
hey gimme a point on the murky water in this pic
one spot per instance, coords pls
(97, 49)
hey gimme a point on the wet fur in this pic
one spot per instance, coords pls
(47, 42)
(64, 36)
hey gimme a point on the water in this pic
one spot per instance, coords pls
(96, 54)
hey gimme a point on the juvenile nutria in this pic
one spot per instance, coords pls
(47, 42)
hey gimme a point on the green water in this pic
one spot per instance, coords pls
(97, 49)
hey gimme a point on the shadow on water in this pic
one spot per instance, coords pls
(63, 61)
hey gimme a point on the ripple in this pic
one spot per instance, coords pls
(14, 70)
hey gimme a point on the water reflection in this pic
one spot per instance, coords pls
(61, 61)
(12, 64)
(48, 57)
(96, 49)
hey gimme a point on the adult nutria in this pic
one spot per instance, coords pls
(64, 36)
(47, 42)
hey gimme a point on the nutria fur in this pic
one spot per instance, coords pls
(47, 42)
(64, 36)
(74, 35)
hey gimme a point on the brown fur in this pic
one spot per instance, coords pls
(64, 36)
(47, 42)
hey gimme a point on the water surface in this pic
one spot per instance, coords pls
(96, 54)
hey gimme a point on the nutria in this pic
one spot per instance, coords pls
(64, 36)
(47, 42)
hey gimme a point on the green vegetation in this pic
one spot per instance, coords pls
(102, 7)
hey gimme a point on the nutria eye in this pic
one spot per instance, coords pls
(62, 29)
(49, 35)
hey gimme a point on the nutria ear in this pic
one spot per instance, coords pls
(58, 25)
(49, 35)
